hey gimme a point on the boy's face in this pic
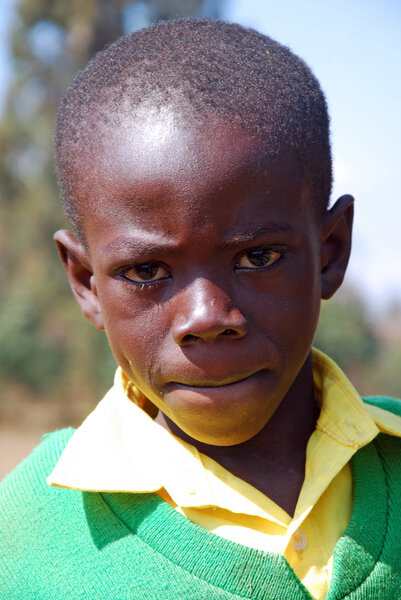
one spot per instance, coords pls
(206, 267)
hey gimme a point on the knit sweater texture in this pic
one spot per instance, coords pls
(66, 544)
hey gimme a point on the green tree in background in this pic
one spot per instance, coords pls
(367, 348)
(346, 333)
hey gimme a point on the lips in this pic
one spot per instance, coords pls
(213, 385)
(210, 383)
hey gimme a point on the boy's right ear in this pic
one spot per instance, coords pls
(80, 276)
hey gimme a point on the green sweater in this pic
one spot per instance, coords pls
(66, 544)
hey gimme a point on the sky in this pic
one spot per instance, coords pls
(354, 48)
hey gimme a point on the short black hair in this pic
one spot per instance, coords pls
(213, 67)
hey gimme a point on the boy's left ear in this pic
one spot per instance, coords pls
(336, 237)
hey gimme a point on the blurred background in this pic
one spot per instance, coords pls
(54, 367)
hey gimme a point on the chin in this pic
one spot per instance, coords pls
(231, 436)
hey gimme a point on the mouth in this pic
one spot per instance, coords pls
(210, 384)
(217, 395)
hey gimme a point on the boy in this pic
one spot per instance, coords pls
(195, 168)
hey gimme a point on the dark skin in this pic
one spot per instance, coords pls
(273, 467)
(205, 262)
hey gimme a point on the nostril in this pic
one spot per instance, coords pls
(189, 338)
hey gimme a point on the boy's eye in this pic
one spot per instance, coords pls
(258, 259)
(145, 273)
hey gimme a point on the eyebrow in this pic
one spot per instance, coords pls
(148, 242)
(140, 244)
(251, 234)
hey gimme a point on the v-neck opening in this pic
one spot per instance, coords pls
(251, 573)
(232, 567)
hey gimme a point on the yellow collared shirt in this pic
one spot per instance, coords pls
(120, 448)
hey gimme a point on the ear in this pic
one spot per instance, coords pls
(77, 265)
(336, 237)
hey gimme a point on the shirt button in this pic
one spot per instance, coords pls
(299, 540)
(355, 431)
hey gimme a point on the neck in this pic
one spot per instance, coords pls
(273, 461)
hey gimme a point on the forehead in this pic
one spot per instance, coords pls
(156, 162)
(166, 143)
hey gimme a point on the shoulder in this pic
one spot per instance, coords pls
(32, 516)
(24, 493)
(32, 472)
(392, 405)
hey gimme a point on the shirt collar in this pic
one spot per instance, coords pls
(120, 448)
(343, 415)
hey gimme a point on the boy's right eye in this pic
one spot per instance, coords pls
(145, 273)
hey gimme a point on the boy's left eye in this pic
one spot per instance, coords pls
(145, 273)
(258, 259)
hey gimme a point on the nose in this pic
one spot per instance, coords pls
(205, 312)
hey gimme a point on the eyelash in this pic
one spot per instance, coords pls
(142, 285)
(280, 251)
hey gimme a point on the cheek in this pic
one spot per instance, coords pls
(285, 306)
(135, 327)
